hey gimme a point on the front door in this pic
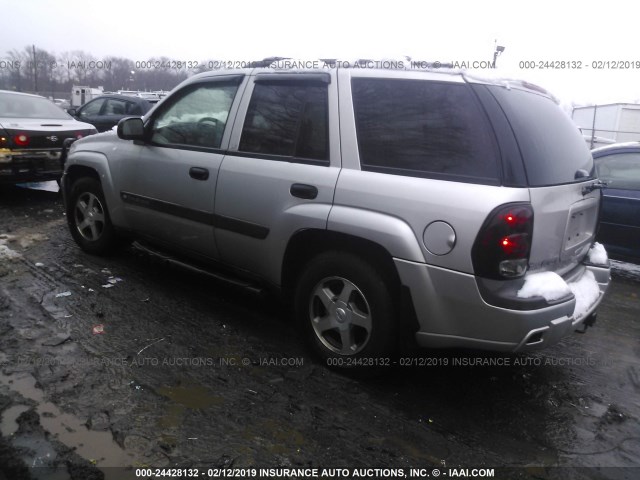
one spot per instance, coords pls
(168, 188)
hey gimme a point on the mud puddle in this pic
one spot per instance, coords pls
(9, 423)
(97, 447)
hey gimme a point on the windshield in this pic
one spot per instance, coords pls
(25, 106)
(552, 147)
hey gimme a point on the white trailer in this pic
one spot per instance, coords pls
(618, 122)
(81, 95)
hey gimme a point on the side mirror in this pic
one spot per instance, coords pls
(131, 128)
(72, 111)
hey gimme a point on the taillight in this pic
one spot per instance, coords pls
(80, 135)
(503, 245)
(21, 139)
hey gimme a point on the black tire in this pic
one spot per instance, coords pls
(88, 218)
(364, 333)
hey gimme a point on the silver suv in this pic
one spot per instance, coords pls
(383, 204)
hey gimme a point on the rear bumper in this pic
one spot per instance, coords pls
(452, 312)
(31, 166)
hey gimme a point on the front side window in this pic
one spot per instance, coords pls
(621, 170)
(92, 108)
(197, 117)
(423, 128)
(287, 119)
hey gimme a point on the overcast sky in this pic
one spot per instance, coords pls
(251, 29)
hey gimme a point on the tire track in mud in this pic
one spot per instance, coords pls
(267, 388)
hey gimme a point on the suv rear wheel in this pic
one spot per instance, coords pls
(346, 310)
(88, 218)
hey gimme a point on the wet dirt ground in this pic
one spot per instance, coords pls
(126, 361)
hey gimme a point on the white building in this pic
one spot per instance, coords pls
(615, 122)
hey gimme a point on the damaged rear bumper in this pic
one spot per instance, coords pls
(30, 165)
(453, 313)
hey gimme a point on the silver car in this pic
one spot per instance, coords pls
(383, 204)
(32, 132)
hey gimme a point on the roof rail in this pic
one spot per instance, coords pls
(265, 62)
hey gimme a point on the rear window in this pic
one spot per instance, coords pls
(552, 147)
(423, 128)
(25, 106)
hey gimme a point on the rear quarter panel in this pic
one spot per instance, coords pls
(412, 202)
(417, 202)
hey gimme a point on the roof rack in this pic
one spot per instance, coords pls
(399, 63)
(265, 62)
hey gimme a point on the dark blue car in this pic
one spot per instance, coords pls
(619, 166)
(106, 111)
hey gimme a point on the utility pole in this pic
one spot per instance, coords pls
(35, 70)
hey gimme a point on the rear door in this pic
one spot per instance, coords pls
(113, 111)
(280, 173)
(558, 165)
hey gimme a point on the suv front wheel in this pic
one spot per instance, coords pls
(346, 310)
(88, 218)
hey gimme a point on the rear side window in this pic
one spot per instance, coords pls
(287, 119)
(425, 129)
(115, 107)
(552, 147)
(134, 109)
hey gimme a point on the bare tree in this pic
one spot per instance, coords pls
(117, 76)
(18, 76)
(79, 66)
(45, 65)
(58, 73)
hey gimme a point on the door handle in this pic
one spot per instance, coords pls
(199, 173)
(300, 190)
